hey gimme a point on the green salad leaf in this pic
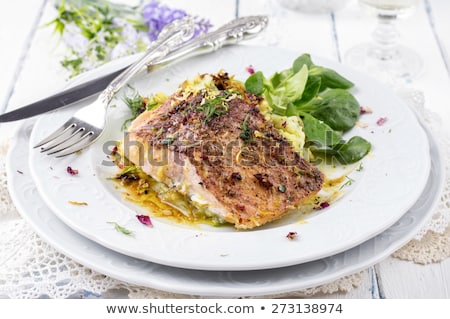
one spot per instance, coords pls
(293, 85)
(336, 107)
(345, 152)
(319, 133)
(312, 88)
(255, 83)
(321, 98)
(329, 78)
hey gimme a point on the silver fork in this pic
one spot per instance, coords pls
(88, 123)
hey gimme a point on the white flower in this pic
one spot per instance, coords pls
(119, 21)
(120, 50)
(129, 34)
(74, 40)
(88, 64)
(100, 37)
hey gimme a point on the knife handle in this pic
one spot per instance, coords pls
(169, 38)
(234, 31)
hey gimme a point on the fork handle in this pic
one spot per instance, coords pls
(242, 28)
(169, 38)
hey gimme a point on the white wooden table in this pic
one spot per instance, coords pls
(29, 70)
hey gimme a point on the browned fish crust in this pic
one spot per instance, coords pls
(241, 159)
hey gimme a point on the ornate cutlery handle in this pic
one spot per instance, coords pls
(230, 33)
(171, 37)
(241, 28)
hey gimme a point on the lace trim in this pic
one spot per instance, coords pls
(343, 285)
(433, 247)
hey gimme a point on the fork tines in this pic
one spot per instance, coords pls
(69, 138)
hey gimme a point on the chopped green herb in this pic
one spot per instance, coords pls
(247, 133)
(128, 170)
(136, 105)
(167, 141)
(73, 64)
(282, 188)
(139, 104)
(360, 167)
(348, 182)
(121, 229)
(214, 107)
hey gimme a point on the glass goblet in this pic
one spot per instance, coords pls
(384, 58)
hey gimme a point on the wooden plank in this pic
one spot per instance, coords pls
(16, 30)
(41, 73)
(445, 267)
(438, 11)
(401, 279)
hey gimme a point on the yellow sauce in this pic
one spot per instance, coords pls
(143, 190)
(155, 197)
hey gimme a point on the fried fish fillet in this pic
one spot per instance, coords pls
(212, 145)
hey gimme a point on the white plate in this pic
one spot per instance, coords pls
(392, 180)
(212, 283)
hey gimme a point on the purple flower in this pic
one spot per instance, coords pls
(201, 26)
(381, 121)
(324, 205)
(157, 16)
(144, 219)
(72, 171)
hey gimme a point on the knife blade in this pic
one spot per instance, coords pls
(61, 99)
(236, 30)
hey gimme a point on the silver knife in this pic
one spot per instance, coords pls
(238, 29)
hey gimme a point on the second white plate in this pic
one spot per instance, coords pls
(392, 180)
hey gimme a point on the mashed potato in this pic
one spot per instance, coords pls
(290, 127)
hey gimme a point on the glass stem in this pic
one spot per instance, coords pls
(385, 36)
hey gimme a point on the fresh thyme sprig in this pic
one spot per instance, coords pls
(136, 104)
(247, 133)
(121, 229)
(215, 106)
(349, 182)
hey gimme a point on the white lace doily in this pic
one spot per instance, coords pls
(30, 268)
